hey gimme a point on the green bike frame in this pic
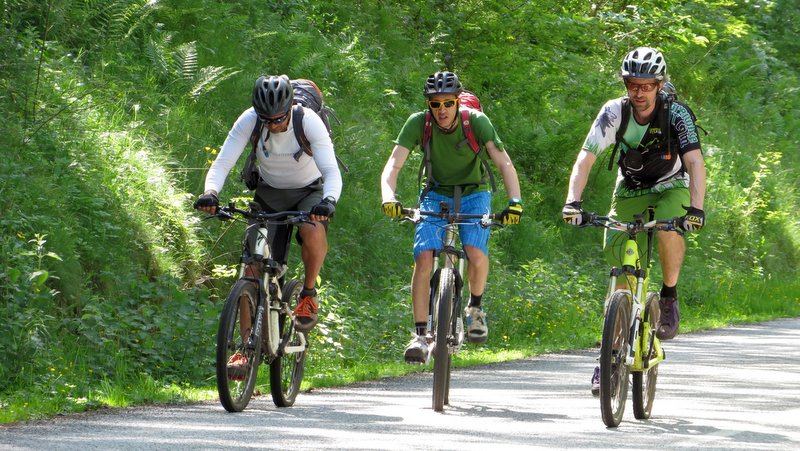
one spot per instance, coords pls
(633, 271)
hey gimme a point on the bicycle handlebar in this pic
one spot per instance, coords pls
(415, 215)
(229, 212)
(632, 227)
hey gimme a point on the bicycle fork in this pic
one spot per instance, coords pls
(631, 270)
(453, 258)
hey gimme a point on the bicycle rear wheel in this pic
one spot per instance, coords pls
(644, 382)
(445, 298)
(613, 371)
(237, 364)
(286, 371)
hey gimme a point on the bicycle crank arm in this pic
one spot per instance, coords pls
(430, 353)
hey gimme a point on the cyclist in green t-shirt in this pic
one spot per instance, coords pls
(453, 172)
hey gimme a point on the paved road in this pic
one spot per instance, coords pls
(731, 389)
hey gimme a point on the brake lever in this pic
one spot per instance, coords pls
(411, 215)
(489, 220)
(306, 220)
(222, 215)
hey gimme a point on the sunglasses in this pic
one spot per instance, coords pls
(646, 87)
(275, 120)
(436, 104)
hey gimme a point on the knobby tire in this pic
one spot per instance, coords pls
(286, 371)
(235, 392)
(644, 382)
(441, 352)
(613, 371)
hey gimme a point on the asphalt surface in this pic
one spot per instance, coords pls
(728, 389)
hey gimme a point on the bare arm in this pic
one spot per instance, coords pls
(390, 172)
(695, 166)
(580, 174)
(503, 162)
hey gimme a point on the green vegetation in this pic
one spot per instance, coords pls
(110, 285)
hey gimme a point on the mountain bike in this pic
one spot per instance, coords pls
(445, 315)
(629, 344)
(256, 322)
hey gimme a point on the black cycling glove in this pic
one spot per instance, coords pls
(206, 200)
(694, 219)
(327, 207)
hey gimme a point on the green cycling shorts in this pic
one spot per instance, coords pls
(668, 204)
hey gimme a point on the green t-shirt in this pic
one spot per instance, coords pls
(452, 160)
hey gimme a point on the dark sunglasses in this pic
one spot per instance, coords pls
(275, 120)
(436, 104)
(646, 87)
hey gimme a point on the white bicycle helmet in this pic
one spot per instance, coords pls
(644, 62)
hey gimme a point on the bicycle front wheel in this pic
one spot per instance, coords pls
(286, 371)
(445, 298)
(613, 371)
(644, 382)
(237, 363)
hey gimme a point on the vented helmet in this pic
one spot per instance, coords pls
(644, 62)
(442, 83)
(272, 95)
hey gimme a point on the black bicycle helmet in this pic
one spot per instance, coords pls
(442, 83)
(272, 95)
(644, 62)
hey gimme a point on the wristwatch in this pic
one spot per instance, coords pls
(515, 201)
(330, 199)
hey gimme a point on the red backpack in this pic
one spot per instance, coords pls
(468, 101)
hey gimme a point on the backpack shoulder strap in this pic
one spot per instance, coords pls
(255, 136)
(468, 133)
(427, 129)
(666, 119)
(469, 137)
(299, 133)
(625, 116)
(425, 166)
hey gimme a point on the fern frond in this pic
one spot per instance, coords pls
(133, 16)
(113, 17)
(184, 60)
(156, 54)
(209, 78)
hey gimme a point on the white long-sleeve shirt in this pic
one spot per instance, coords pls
(276, 162)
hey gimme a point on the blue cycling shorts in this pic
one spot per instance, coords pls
(429, 234)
